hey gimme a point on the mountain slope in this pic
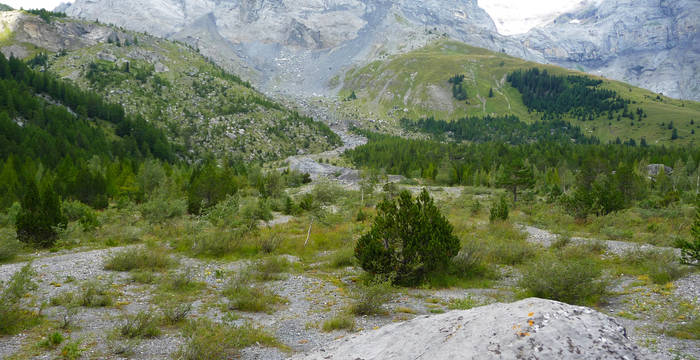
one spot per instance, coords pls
(416, 84)
(301, 46)
(304, 46)
(650, 43)
(202, 107)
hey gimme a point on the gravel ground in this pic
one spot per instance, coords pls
(314, 296)
(639, 307)
(545, 238)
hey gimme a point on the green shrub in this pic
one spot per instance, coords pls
(499, 210)
(174, 313)
(326, 192)
(52, 340)
(253, 210)
(690, 249)
(306, 202)
(561, 241)
(225, 212)
(9, 245)
(71, 351)
(83, 214)
(205, 340)
(571, 280)
(369, 298)
(139, 258)
(408, 239)
(9, 218)
(339, 322)
(161, 207)
(142, 325)
(475, 207)
(14, 317)
(269, 243)
(469, 260)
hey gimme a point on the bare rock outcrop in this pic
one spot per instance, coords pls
(298, 46)
(528, 329)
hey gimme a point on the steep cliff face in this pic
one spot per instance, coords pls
(304, 46)
(301, 45)
(20, 35)
(649, 43)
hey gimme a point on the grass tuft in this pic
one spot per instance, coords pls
(339, 322)
(139, 258)
(206, 339)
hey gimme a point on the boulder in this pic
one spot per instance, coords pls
(653, 170)
(527, 329)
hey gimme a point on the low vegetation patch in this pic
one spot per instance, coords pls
(90, 294)
(243, 295)
(661, 266)
(465, 303)
(369, 297)
(52, 340)
(689, 330)
(339, 322)
(504, 244)
(569, 279)
(206, 339)
(142, 325)
(174, 313)
(139, 258)
(14, 316)
(271, 268)
(9, 245)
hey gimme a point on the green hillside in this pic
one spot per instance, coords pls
(416, 85)
(202, 108)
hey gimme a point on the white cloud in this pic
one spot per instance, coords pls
(33, 4)
(519, 16)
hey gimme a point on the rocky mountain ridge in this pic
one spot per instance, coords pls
(203, 108)
(305, 46)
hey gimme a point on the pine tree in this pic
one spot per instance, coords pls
(409, 239)
(516, 175)
(39, 217)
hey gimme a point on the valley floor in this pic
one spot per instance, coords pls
(314, 292)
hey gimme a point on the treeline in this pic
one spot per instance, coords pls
(458, 90)
(617, 173)
(46, 15)
(34, 127)
(506, 129)
(556, 95)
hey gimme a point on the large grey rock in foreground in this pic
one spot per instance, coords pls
(528, 329)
